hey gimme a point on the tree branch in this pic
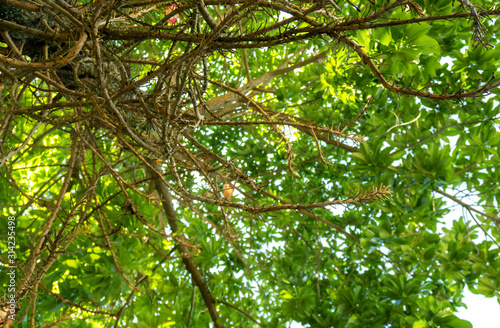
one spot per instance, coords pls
(187, 258)
(467, 206)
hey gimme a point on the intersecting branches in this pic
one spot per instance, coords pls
(136, 91)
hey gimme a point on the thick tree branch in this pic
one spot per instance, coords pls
(187, 258)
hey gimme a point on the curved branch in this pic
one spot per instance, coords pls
(240, 310)
(403, 90)
(54, 64)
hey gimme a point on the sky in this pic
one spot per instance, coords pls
(482, 312)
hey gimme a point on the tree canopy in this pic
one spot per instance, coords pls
(224, 163)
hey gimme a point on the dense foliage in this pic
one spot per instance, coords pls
(347, 131)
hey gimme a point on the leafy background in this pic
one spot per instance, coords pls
(105, 258)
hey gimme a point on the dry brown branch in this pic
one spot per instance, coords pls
(133, 89)
(42, 66)
(491, 84)
(187, 258)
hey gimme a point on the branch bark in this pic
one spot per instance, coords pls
(184, 251)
